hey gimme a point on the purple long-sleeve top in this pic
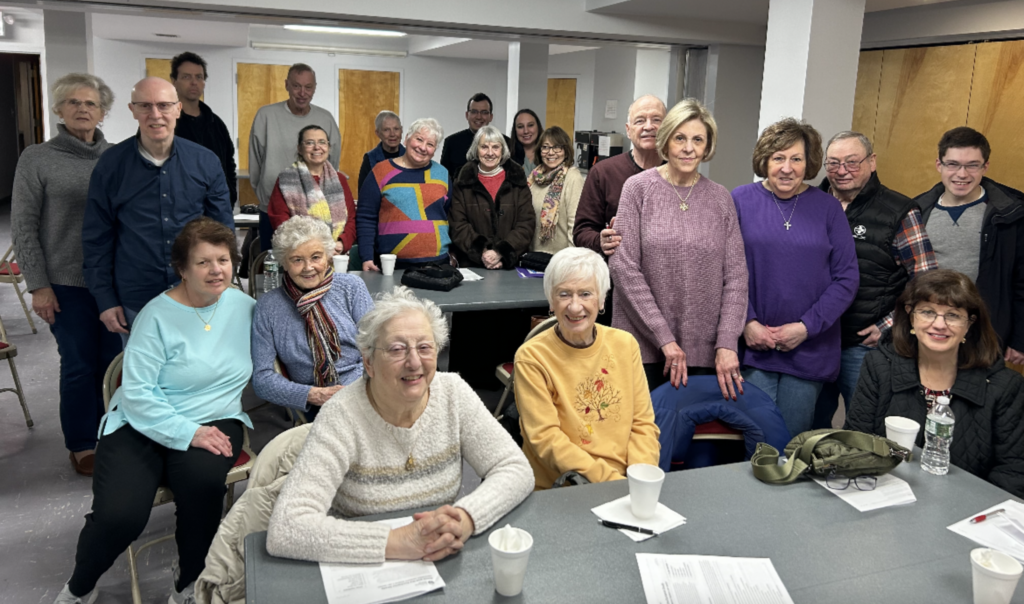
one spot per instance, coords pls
(806, 273)
(680, 276)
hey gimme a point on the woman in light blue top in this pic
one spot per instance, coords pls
(177, 418)
(309, 323)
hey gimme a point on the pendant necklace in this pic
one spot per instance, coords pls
(205, 322)
(410, 462)
(682, 202)
(785, 222)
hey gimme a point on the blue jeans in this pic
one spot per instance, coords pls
(266, 232)
(86, 349)
(849, 374)
(795, 397)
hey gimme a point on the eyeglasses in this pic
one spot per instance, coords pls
(953, 319)
(548, 150)
(841, 483)
(311, 144)
(850, 165)
(954, 167)
(479, 112)
(163, 108)
(91, 106)
(400, 352)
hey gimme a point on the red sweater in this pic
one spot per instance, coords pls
(278, 211)
(492, 183)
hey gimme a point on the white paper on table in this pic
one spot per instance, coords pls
(376, 583)
(619, 511)
(995, 532)
(469, 275)
(681, 579)
(604, 146)
(888, 491)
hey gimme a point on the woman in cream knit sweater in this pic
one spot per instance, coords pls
(395, 440)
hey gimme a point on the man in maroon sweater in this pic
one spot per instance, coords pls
(595, 215)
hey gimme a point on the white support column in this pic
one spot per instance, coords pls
(732, 94)
(68, 48)
(527, 80)
(810, 63)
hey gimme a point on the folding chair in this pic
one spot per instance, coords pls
(254, 250)
(9, 351)
(240, 471)
(256, 269)
(10, 273)
(296, 416)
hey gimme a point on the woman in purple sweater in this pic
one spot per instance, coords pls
(803, 272)
(680, 274)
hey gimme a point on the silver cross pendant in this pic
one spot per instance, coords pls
(787, 225)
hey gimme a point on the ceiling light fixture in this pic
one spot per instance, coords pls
(329, 49)
(351, 31)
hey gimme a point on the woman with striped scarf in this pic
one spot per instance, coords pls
(308, 324)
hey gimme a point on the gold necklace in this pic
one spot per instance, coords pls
(410, 462)
(682, 202)
(215, 306)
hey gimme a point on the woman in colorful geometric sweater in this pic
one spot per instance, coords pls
(580, 387)
(403, 204)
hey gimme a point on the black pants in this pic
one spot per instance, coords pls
(129, 469)
(655, 378)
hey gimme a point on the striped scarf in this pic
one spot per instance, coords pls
(320, 329)
(549, 208)
(304, 197)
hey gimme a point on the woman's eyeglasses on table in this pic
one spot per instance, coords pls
(400, 352)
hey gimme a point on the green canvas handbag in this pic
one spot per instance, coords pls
(828, 453)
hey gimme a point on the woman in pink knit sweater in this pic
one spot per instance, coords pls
(680, 273)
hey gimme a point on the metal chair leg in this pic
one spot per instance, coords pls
(20, 392)
(133, 572)
(3, 331)
(28, 315)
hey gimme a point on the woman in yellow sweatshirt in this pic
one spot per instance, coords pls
(582, 394)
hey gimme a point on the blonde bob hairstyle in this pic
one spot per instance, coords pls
(781, 136)
(684, 111)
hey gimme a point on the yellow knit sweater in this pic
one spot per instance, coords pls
(587, 410)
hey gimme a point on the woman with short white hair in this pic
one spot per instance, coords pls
(580, 387)
(308, 324)
(492, 218)
(388, 128)
(403, 204)
(396, 440)
(51, 185)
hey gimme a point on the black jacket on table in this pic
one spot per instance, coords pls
(1001, 265)
(988, 437)
(209, 131)
(477, 223)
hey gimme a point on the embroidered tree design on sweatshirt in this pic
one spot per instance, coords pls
(596, 401)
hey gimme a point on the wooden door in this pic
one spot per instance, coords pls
(160, 68)
(923, 92)
(361, 96)
(257, 85)
(561, 109)
(865, 100)
(996, 110)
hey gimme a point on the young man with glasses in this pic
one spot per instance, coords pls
(892, 247)
(976, 226)
(141, 194)
(479, 113)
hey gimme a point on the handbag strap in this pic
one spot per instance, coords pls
(765, 460)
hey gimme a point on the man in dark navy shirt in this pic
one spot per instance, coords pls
(142, 193)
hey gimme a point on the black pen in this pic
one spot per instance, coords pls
(635, 529)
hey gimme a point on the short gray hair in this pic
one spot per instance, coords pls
(845, 134)
(387, 306)
(576, 264)
(65, 85)
(488, 134)
(432, 126)
(298, 230)
(378, 122)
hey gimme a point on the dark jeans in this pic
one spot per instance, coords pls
(655, 378)
(266, 232)
(129, 469)
(86, 349)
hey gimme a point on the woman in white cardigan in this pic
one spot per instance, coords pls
(395, 440)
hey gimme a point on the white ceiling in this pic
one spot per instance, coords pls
(176, 31)
(740, 11)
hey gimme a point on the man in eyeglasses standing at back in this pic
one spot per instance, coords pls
(977, 227)
(479, 113)
(141, 194)
(892, 247)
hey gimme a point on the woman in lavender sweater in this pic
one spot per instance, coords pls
(309, 323)
(680, 275)
(803, 272)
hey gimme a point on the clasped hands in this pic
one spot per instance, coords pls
(782, 338)
(431, 536)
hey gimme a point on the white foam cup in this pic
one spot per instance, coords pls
(387, 264)
(510, 552)
(995, 576)
(340, 264)
(645, 483)
(902, 430)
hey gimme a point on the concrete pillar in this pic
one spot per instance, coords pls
(527, 80)
(68, 48)
(732, 88)
(658, 72)
(810, 63)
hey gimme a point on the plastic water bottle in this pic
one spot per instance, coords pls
(271, 272)
(938, 436)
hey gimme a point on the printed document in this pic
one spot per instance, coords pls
(710, 580)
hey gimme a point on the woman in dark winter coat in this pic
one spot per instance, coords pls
(943, 344)
(492, 219)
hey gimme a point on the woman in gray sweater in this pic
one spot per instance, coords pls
(51, 186)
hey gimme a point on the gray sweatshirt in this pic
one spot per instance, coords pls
(274, 143)
(51, 186)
